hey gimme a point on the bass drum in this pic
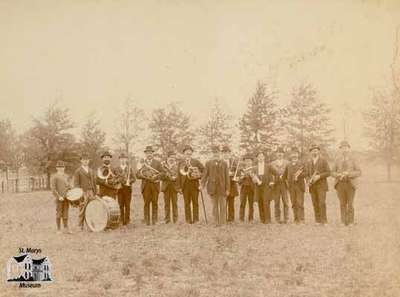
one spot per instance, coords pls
(102, 213)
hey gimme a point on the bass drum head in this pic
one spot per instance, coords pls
(96, 215)
(74, 194)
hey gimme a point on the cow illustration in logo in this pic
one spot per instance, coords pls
(23, 268)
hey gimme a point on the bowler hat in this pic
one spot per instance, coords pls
(226, 149)
(247, 156)
(123, 156)
(186, 148)
(85, 156)
(106, 154)
(344, 143)
(314, 147)
(60, 164)
(171, 153)
(149, 148)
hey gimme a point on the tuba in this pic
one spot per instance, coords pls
(170, 169)
(108, 177)
(146, 171)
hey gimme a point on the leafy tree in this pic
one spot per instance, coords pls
(92, 138)
(258, 124)
(50, 139)
(170, 128)
(307, 119)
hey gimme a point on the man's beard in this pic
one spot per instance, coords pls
(107, 162)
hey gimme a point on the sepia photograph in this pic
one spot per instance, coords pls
(200, 148)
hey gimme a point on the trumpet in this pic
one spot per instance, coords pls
(249, 171)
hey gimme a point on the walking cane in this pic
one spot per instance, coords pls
(204, 207)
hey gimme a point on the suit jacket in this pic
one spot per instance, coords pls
(291, 171)
(321, 168)
(85, 180)
(233, 191)
(168, 183)
(352, 168)
(153, 183)
(122, 173)
(216, 176)
(183, 180)
(59, 185)
(280, 172)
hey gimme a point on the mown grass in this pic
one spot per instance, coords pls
(243, 260)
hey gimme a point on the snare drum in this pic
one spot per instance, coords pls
(74, 196)
(102, 213)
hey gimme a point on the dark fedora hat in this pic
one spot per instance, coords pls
(60, 163)
(148, 149)
(106, 154)
(186, 148)
(344, 143)
(314, 147)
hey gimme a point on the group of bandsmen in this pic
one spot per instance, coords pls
(252, 177)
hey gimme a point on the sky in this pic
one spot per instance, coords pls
(92, 55)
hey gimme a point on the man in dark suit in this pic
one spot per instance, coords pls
(170, 188)
(125, 174)
(279, 167)
(216, 178)
(246, 188)
(262, 170)
(296, 182)
(346, 172)
(85, 178)
(318, 171)
(190, 172)
(107, 186)
(233, 191)
(151, 173)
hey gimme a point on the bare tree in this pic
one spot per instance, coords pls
(130, 126)
(217, 130)
(382, 127)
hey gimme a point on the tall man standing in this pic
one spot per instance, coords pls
(280, 188)
(85, 178)
(126, 176)
(346, 171)
(260, 188)
(216, 178)
(107, 186)
(151, 173)
(296, 182)
(190, 172)
(170, 188)
(233, 190)
(318, 171)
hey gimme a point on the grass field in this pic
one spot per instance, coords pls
(198, 260)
